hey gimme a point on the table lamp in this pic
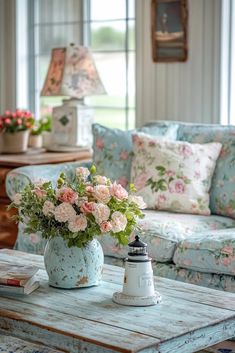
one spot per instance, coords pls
(72, 73)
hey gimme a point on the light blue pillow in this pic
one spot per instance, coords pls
(222, 195)
(112, 149)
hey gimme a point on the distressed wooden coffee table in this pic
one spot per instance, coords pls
(86, 320)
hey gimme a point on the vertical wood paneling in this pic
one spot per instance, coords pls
(181, 91)
(7, 55)
(2, 44)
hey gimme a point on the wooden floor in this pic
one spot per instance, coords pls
(189, 318)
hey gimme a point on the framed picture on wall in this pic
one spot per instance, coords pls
(169, 25)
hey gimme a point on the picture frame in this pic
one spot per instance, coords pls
(169, 30)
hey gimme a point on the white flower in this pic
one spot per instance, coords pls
(82, 172)
(79, 223)
(119, 222)
(138, 200)
(99, 179)
(17, 199)
(102, 193)
(81, 200)
(64, 212)
(101, 212)
(48, 208)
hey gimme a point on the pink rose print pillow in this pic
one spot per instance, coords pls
(173, 175)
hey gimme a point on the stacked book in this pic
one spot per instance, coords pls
(17, 279)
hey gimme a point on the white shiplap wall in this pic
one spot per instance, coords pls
(7, 55)
(186, 91)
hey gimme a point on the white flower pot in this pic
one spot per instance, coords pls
(16, 142)
(35, 141)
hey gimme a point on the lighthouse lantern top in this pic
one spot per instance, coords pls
(137, 247)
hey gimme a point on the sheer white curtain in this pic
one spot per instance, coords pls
(227, 79)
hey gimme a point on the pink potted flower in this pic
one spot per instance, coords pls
(15, 127)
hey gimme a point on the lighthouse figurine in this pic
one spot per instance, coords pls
(138, 286)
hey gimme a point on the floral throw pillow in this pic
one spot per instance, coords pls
(112, 149)
(173, 175)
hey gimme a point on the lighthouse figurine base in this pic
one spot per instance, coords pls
(130, 300)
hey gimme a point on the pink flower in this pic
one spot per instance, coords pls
(64, 212)
(230, 211)
(82, 172)
(19, 121)
(7, 121)
(48, 208)
(161, 198)
(226, 261)
(119, 222)
(227, 250)
(140, 180)
(66, 194)
(77, 224)
(185, 150)
(87, 207)
(99, 179)
(99, 143)
(187, 262)
(170, 173)
(34, 238)
(152, 143)
(102, 193)
(41, 193)
(138, 200)
(138, 141)
(177, 186)
(105, 227)
(117, 191)
(197, 174)
(101, 212)
(124, 155)
(123, 181)
(89, 189)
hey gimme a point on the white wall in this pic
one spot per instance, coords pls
(186, 91)
(7, 55)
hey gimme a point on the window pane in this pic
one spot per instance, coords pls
(114, 118)
(131, 79)
(108, 9)
(131, 8)
(56, 36)
(112, 70)
(131, 35)
(108, 35)
(131, 119)
(48, 11)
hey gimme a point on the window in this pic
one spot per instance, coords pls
(108, 28)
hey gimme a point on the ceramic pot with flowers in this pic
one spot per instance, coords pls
(15, 127)
(72, 215)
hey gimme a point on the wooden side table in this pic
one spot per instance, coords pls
(8, 162)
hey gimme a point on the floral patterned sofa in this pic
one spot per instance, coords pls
(187, 247)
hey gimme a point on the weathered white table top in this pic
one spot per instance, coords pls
(86, 320)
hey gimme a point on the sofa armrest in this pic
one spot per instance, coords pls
(18, 178)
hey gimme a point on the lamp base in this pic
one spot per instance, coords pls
(129, 300)
(71, 124)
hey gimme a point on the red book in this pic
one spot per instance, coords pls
(16, 275)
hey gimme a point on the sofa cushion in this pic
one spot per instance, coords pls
(163, 230)
(173, 175)
(210, 280)
(113, 149)
(222, 197)
(210, 251)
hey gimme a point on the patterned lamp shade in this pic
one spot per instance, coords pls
(72, 72)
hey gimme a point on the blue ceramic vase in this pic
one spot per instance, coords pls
(73, 267)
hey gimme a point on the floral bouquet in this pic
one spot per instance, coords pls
(20, 120)
(78, 210)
